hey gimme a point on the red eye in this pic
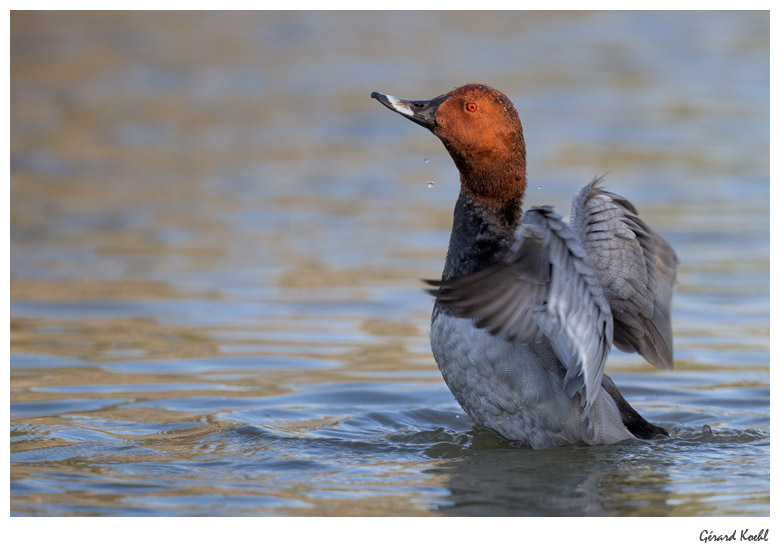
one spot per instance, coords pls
(471, 107)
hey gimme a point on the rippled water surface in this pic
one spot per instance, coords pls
(217, 239)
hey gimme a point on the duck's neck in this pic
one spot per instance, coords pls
(492, 185)
(482, 233)
(495, 174)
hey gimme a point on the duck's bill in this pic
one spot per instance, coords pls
(420, 112)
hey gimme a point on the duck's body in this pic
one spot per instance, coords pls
(516, 389)
(528, 306)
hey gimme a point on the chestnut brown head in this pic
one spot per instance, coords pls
(481, 130)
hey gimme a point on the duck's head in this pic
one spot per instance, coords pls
(481, 130)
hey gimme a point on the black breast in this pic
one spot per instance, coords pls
(481, 235)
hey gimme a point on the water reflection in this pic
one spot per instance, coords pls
(631, 479)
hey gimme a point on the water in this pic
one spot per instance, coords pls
(217, 239)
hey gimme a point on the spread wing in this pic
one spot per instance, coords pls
(545, 286)
(636, 268)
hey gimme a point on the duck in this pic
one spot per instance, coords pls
(529, 306)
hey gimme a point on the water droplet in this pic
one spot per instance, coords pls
(430, 184)
(426, 160)
(540, 187)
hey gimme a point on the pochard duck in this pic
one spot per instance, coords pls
(529, 306)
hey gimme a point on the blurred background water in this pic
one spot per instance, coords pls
(217, 239)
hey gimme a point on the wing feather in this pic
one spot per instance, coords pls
(636, 268)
